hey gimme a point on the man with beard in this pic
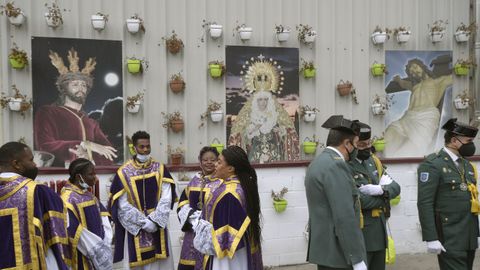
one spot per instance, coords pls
(31, 215)
(63, 129)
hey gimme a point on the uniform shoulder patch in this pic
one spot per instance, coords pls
(424, 177)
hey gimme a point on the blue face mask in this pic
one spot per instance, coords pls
(82, 183)
(142, 158)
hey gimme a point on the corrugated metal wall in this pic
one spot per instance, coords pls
(343, 50)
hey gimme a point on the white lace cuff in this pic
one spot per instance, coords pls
(162, 212)
(130, 217)
(101, 256)
(203, 237)
(183, 214)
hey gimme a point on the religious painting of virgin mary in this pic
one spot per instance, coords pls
(262, 100)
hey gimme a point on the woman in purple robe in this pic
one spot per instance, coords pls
(89, 229)
(228, 232)
(193, 199)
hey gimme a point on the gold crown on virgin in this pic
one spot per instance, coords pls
(73, 59)
(262, 74)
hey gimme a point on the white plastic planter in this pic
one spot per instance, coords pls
(216, 116)
(437, 36)
(133, 25)
(245, 33)
(403, 36)
(216, 30)
(135, 108)
(15, 104)
(98, 22)
(17, 20)
(378, 109)
(379, 37)
(283, 36)
(309, 116)
(310, 37)
(50, 22)
(461, 104)
(462, 36)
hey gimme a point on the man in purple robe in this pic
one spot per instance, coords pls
(31, 215)
(141, 197)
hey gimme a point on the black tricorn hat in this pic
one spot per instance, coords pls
(337, 122)
(364, 131)
(460, 128)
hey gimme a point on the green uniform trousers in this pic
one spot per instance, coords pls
(456, 260)
(319, 267)
(376, 260)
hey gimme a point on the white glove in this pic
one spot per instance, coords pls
(385, 180)
(435, 247)
(372, 190)
(193, 218)
(360, 266)
(150, 226)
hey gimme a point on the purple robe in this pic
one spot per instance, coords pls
(145, 247)
(226, 210)
(191, 197)
(31, 221)
(85, 212)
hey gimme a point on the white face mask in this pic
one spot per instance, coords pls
(82, 183)
(142, 158)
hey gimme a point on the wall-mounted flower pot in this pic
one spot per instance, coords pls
(14, 63)
(98, 22)
(218, 146)
(17, 21)
(309, 147)
(135, 108)
(280, 205)
(15, 104)
(216, 30)
(177, 125)
(216, 71)
(50, 22)
(216, 116)
(283, 36)
(309, 116)
(309, 72)
(461, 70)
(403, 36)
(437, 36)
(344, 89)
(395, 201)
(177, 85)
(245, 33)
(378, 109)
(461, 104)
(176, 159)
(133, 25)
(379, 37)
(134, 66)
(310, 37)
(379, 145)
(378, 69)
(462, 36)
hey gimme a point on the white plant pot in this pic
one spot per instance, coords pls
(462, 36)
(378, 109)
(403, 36)
(437, 36)
(17, 20)
(283, 36)
(216, 30)
(461, 104)
(309, 116)
(135, 108)
(15, 104)
(216, 116)
(379, 37)
(98, 22)
(51, 22)
(133, 25)
(310, 37)
(245, 33)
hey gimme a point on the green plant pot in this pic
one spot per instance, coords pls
(280, 206)
(378, 69)
(219, 146)
(395, 201)
(309, 147)
(215, 70)
(134, 66)
(16, 64)
(461, 70)
(379, 145)
(309, 73)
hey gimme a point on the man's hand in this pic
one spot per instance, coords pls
(360, 266)
(79, 152)
(372, 190)
(150, 226)
(107, 151)
(435, 247)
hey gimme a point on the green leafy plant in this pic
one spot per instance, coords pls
(306, 65)
(25, 104)
(134, 100)
(212, 106)
(18, 55)
(279, 196)
(466, 63)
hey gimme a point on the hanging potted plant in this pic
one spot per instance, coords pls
(17, 102)
(380, 105)
(378, 69)
(462, 67)
(283, 32)
(136, 65)
(279, 202)
(53, 16)
(308, 69)
(215, 30)
(243, 31)
(462, 101)
(462, 34)
(134, 102)
(176, 155)
(176, 83)
(310, 145)
(174, 44)
(135, 24)
(216, 68)
(174, 121)
(308, 113)
(18, 58)
(15, 15)
(306, 34)
(437, 30)
(217, 144)
(214, 110)
(379, 36)
(378, 143)
(402, 34)
(99, 21)
(344, 88)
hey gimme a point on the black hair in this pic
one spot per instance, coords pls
(140, 135)
(207, 149)
(336, 137)
(448, 136)
(78, 166)
(235, 156)
(11, 151)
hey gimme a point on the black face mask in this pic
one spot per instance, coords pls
(467, 149)
(363, 154)
(31, 173)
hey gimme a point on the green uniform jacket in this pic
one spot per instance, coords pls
(335, 237)
(443, 208)
(374, 230)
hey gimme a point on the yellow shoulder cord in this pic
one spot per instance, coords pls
(378, 165)
(361, 214)
(475, 208)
